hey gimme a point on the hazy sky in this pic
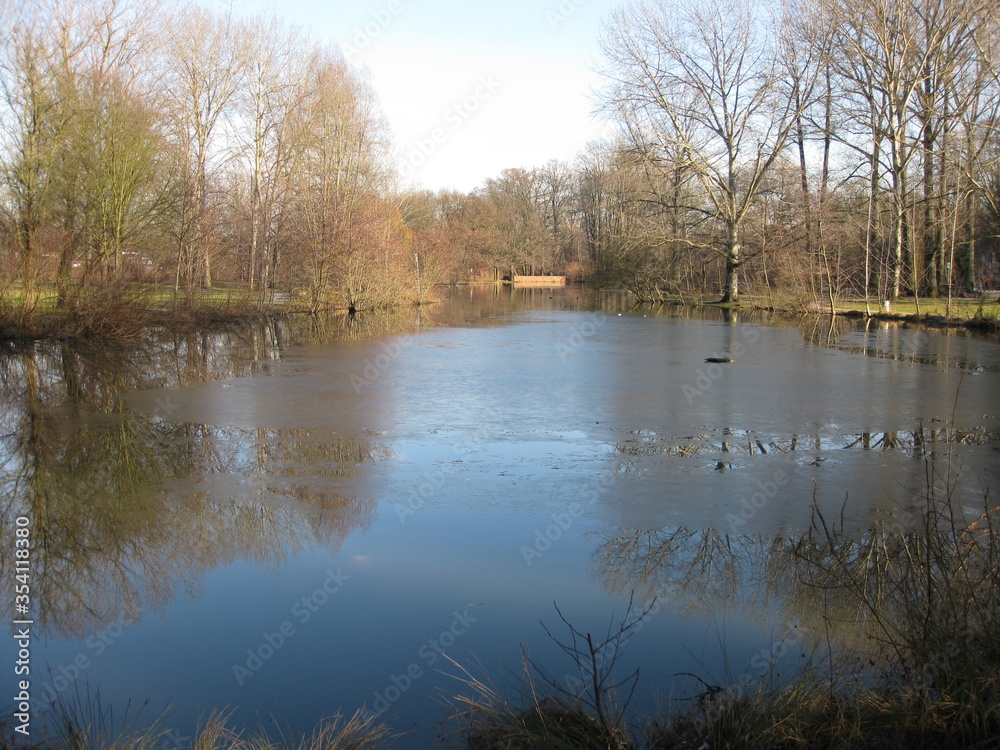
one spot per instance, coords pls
(469, 87)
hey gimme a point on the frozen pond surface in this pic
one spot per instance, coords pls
(289, 522)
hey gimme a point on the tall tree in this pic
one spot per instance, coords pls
(703, 78)
(119, 136)
(340, 166)
(806, 54)
(204, 68)
(38, 115)
(276, 83)
(951, 32)
(882, 62)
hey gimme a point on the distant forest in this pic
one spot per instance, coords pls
(836, 147)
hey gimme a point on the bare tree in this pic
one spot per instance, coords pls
(118, 139)
(952, 33)
(702, 78)
(276, 84)
(37, 117)
(882, 63)
(968, 119)
(522, 208)
(203, 74)
(806, 50)
(561, 210)
(340, 166)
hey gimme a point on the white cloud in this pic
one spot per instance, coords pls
(461, 118)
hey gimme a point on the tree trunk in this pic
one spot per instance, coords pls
(931, 260)
(968, 264)
(731, 292)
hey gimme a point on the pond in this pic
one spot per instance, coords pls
(305, 516)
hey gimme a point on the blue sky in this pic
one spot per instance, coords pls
(468, 88)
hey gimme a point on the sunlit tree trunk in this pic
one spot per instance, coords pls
(276, 84)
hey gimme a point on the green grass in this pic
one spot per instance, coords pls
(123, 310)
(155, 295)
(163, 296)
(15, 297)
(959, 307)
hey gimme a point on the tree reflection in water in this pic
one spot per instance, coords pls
(917, 595)
(127, 508)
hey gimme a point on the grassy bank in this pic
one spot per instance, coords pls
(124, 311)
(975, 313)
(982, 314)
(958, 308)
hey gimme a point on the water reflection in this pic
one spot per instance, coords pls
(947, 348)
(700, 571)
(724, 442)
(146, 467)
(695, 570)
(131, 503)
(892, 589)
(129, 508)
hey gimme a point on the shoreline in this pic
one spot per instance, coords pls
(977, 322)
(928, 319)
(128, 320)
(67, 326)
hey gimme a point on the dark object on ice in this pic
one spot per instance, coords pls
(718, 359)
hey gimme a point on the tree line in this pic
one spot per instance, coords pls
(823, 147)
(855, 140)
(147, 141)
(826, 147)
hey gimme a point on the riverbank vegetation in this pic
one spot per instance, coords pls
(146, 144)
(846, 150)
(903, 655)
